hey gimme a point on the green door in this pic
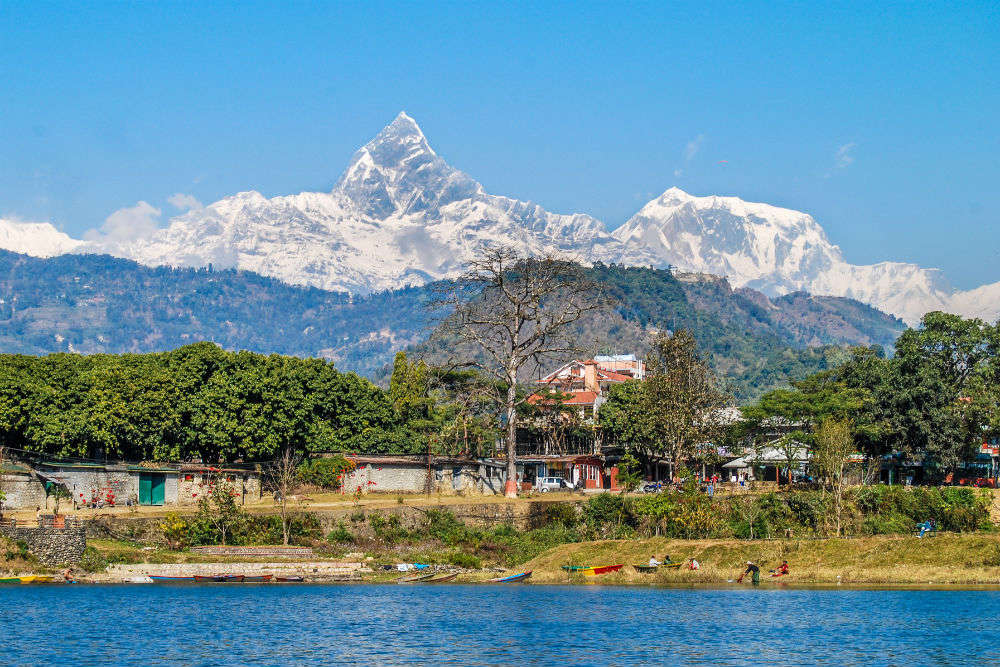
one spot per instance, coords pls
(158, 482)
(152, 488)
(145, 489)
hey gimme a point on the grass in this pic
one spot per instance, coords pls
(946, 559)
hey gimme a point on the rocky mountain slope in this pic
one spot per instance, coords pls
(401, 216)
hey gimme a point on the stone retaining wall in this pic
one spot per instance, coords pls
(51, 544)
(308, 569)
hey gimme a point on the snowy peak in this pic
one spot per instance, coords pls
(776, 250)
(398, 173)
(38, 239)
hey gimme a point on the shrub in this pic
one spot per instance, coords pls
(389, 529)
(93, 561)
(462, 559)
(563, 514)
(326, 473)
(340, 534)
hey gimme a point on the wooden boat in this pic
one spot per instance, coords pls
(672, 566)
(415, 578)
(603, 569)
(233, 578)
(206, 579)
(257, 579)
(645, 569)
(37, 579)
(576, 568)
(170, 580)
(513, 578)
(10, 580)
(441, 580)
(290, 580)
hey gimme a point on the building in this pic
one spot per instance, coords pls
(585, 383)
(85, 484)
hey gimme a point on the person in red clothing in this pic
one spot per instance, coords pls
(781, 571)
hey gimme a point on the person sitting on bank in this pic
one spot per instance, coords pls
(924, 527)
(693, 564)
(781, 571)
(653, 562)
(753, 571)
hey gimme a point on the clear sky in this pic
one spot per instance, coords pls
(880, 119)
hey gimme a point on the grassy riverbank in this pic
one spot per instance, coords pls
(945, 559)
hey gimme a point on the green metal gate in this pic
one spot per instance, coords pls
(152, 488)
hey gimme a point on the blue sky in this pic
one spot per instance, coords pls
(879, 119)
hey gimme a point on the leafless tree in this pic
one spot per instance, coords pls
(511, 310)
(284, 477)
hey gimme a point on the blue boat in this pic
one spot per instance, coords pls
(513, 578)
(170, 580)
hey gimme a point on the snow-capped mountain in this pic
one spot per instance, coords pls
(399, 215)
(38, 239)
(778, 250)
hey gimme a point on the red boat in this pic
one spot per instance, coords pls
(603, 569)
(291, 579)
(205, 579)
(257, 579)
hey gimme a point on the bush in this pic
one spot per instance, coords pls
(93, 561)
(340, 534)
(462, 559)
(326, 473)
(389, 529)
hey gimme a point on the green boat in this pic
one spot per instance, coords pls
(10, 580)
(575, 568)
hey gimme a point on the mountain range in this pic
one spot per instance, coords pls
(401, 216)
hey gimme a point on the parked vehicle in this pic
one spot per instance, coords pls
(546, 484)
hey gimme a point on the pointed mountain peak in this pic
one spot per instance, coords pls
(402, 133)
(397, 172)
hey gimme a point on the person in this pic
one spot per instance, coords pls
(710, 490)
(666, 560)
(653, 562)
(693, 564)
(754, 573)
(924, 527)
(781, 571)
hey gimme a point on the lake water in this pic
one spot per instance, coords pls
(493, 625)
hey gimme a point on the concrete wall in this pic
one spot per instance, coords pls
(446, 478)
(51, 545)
(90, 484)
(22, 492)
(192, 485)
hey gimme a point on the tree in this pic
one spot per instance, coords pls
(833, 449)
(218, 508)
(511, 310)
(284, 478)
(680, 398)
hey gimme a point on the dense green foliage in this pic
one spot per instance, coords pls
(937, 400)
(326, 473)
(870, 510)
(196, 402)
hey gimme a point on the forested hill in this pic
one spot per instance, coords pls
(753, 342)
(96, 303)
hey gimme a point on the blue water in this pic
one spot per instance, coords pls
(493, 625)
